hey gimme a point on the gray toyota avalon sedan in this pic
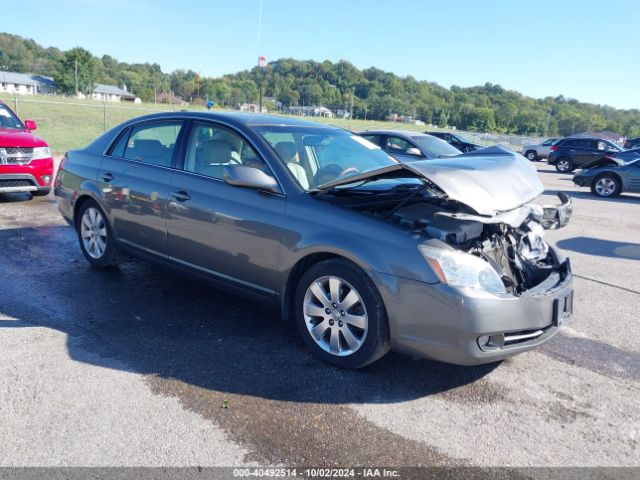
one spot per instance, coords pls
(443, 258)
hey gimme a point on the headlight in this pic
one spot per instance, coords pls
(41, 152)
(460, 269)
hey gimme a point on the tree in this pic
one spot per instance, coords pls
(88, 71)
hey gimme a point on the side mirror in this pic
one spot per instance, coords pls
(249, 177)
(414, 152)
(30, 124)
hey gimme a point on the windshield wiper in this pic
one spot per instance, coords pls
(407, 199)
(318, 192)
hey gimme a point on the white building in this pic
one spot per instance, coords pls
(109, 93)
(309, 111)
(25, 84)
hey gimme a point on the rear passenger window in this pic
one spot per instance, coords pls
(153, 142)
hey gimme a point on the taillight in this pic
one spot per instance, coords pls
(554, 148)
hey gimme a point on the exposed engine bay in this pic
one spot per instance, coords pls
(511, 242)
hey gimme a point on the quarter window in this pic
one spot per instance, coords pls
(153, 143)
(118, 149)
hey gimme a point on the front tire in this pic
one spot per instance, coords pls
(564, 165)
(531, 155)
(606, 186)
(96, 237)
(340, 314)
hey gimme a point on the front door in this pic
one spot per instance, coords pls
(135, 178)
(634, 177)
(231, 233)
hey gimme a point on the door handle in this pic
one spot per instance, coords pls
(107, 177)
(181, 196)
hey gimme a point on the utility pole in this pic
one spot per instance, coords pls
(353, 91)
(76, 63)
(262, 63)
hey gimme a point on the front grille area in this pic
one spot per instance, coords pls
(15, 183)
(15, 155)
(17, 150)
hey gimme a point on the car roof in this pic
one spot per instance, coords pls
(406, 133)
(238, 118)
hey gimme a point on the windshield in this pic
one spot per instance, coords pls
(316, 156)
(8, 119)
(434, 146)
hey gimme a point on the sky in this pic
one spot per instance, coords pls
(584, 49)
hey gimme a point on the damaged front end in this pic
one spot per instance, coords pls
(476, 213)
(511, 243)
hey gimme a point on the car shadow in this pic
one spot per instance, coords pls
(149, 320)
(629, 198)
(601, 248)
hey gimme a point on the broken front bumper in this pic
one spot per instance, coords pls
(469, 327)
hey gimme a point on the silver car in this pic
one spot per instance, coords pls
(536, 151)
(443, 259)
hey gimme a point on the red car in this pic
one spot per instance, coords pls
(26, 164)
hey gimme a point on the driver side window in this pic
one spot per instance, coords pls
(396, 145)
(211, 148)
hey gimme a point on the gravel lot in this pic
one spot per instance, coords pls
(140, 367)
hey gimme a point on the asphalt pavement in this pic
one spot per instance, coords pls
(137, 366)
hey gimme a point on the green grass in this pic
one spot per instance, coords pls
(67, 123)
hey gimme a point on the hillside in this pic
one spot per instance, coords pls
(376, 93)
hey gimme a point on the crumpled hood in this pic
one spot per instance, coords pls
(489, 180)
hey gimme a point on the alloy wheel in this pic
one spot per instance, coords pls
(605, 187)
(335, 315)
(532, 156)
(563, 165)
(93, 232)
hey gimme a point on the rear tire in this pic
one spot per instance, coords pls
(564, 165)
(340, 314)
(531, 155)
(97, 241)
(606, 186)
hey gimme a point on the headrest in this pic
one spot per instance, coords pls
(216, 151)
(287, 151)
(148, 148)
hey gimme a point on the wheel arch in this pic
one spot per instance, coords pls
(295, 273)
(609, 173)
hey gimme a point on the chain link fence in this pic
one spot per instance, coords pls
(67, 123)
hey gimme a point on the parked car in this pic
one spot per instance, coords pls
(26, 164)
(460, 142)
(573, 152)
(632, 143)
(440, 258)
(536, 151)
(610, 176)
(408, 146)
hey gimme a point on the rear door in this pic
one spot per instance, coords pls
(135, 177)
(585, 151)
(227, 232)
